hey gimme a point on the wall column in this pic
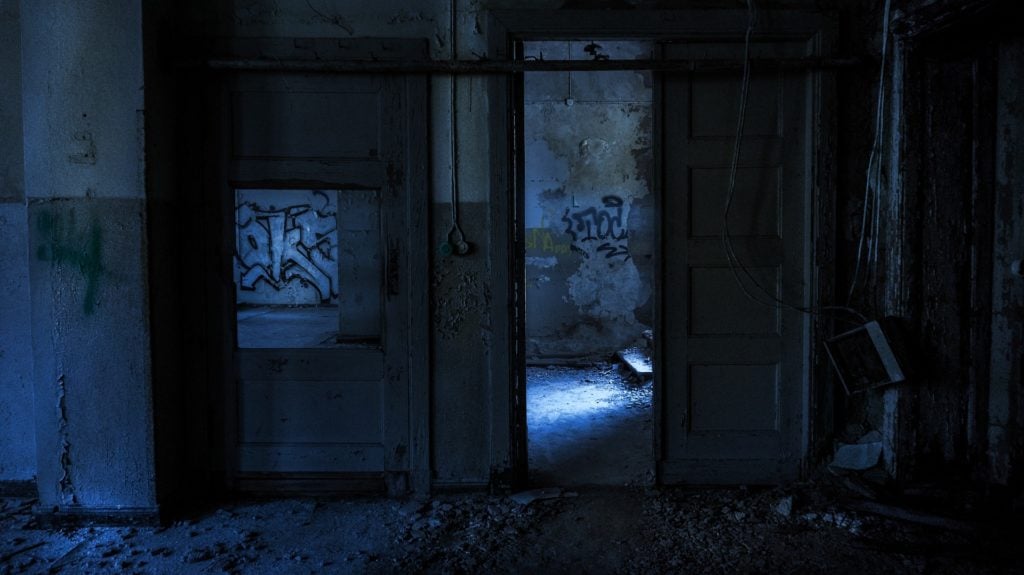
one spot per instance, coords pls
(82, 100)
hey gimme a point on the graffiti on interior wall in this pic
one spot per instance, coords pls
(284, 245)
(65, 240)
(545, 241)
(602, 224)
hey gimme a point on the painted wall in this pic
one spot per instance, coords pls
(589, 209)
(17, 428)
(86, 222)
(82, 108)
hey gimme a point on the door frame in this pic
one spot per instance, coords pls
(214, 197)
(939, 36)
(506, 30)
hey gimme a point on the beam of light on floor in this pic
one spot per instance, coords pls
(588, 427)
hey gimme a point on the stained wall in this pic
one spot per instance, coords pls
(589, 213)
(82, 113)
(75, 239)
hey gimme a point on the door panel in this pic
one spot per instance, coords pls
(325, 194)
(733, 367)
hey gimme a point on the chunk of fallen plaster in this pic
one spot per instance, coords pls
(528, 497)
(784, 507)
(858, 457)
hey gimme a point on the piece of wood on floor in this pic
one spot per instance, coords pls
(638, 362)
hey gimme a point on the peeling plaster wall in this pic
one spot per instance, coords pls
(460, 348)
(81, 237)
(17, 429)
(589, 209)
(460, 385)
(82, 102)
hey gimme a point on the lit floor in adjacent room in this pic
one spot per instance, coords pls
(287, 327)
(588, 426)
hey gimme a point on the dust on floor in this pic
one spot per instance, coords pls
(805, 528)
(588, 426)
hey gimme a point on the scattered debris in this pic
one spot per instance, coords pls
(638, 362)
(11, 555)
(859, 456)
(785, 506)
(527, 497)
(818, 526)
(911, 516)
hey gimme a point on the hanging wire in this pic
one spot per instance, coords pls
(736, 266)
(867, 243)
(456, 238)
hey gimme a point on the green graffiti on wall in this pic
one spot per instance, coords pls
(543, 240)
(63, 242)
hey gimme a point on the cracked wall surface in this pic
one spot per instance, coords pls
(86, 232)
(589, 209)
(589, 221)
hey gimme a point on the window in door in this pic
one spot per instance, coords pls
(308, 267)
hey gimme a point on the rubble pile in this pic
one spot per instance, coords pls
(815, 527)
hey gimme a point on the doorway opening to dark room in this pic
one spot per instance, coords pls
(589, 265)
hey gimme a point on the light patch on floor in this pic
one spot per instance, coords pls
(588, 427)
(287, 327)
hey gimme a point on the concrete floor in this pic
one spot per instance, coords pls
(287, 327)
(631, 530)
(588, 426)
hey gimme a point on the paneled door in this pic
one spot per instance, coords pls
(733, 363)
(325, 184)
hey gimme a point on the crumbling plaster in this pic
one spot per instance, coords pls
(83, 97)
(83, 155)
(589, 270)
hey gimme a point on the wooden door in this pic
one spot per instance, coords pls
(733, 370)
(325, 177)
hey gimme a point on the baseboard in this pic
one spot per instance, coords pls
(310, 484)
(74, 516)
(456, 487)
(569, 360)
(24, 488)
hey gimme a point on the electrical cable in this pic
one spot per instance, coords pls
(735, 264)
(876, 174)
(873, 178)
(456, 239)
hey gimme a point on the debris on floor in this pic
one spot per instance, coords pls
(528, 497)
(859, 456)
(638, 361)
(804, 528)
(588, 426)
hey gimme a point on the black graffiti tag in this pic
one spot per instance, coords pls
(599, 224)
(596, 224)
(613, 250)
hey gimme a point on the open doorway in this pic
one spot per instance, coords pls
(589, 228)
